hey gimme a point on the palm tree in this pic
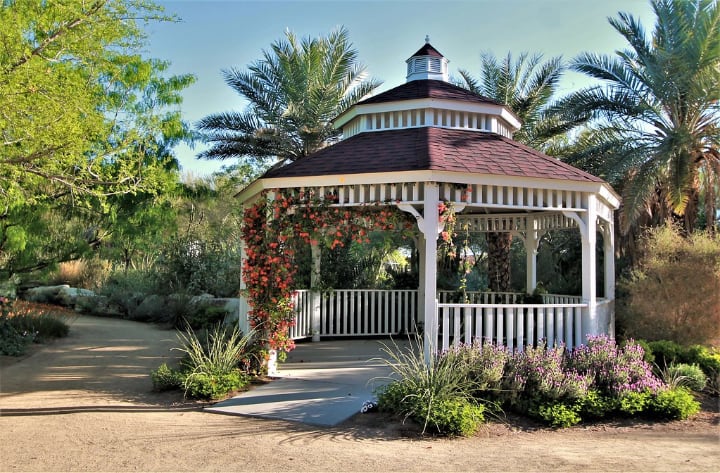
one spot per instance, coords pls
(656, 115)
(294, 92)
(527, 87)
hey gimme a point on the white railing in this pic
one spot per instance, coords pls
(356, 312)
(492, 317)
(512, 325)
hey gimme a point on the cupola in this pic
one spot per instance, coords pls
(427, 63)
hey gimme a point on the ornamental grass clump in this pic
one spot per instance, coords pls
(213, 364)
(437, 395)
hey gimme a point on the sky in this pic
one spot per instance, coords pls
(216, 35)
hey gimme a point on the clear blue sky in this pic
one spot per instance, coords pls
(216, 35)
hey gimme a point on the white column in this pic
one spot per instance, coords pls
(609, 259)
(420, 245)
(243, 307)
(315, 293)
(531, 251)
(590, 324)
(430, 229)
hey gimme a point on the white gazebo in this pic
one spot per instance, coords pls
(426, 142)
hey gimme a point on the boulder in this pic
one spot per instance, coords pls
(67, 296)
(151, 308)
(45, 294)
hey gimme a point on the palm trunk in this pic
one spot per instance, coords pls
(499, 261)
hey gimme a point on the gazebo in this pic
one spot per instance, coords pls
(428, 142)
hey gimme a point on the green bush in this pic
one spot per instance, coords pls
(666, 352)
(675, 404)
(214, 386)
(596, 406)
(558, 415)
(633, 403)
(12, 342)
(682, 374)
(457, 416)
(707, 359)
(22, 323)
(165, 378)
(690, 311)
(423, 391)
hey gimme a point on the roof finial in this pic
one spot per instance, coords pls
(427, 39)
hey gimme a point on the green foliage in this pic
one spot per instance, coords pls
(214, 386)
(165, 378)
(666, 352)
(22, 323)
(295, 91)
(655, 131)
(87, 120)
(596, 405)
(558, 415)
(672, 294)
(453, 416)
(675, 404)
(437, 395)
(195, 266)
(633, 403)
(684, 375)
(12, 342)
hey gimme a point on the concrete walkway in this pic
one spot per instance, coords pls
(321, 383)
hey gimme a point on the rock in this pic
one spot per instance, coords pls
(151, 308)
(67, 296)
(45, 294)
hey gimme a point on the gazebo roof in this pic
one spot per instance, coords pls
(435, 149)
(427, 50)
(428, 89)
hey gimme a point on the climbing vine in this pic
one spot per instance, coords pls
(272, 228)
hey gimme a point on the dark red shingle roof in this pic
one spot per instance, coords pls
(429, 148)
(427, 50)
(428, 89)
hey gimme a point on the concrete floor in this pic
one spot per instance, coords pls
(321, 383)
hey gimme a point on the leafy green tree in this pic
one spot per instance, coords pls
(527, 86)
(655, 130)
(294, 92)
(85, 119)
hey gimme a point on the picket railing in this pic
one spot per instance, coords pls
(512, 325)
(356, 312)
(498, 318)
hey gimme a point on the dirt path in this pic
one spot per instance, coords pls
(84, 404)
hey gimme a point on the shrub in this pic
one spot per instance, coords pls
(558, 415)
(539, 376)
(596, 406)
(22, 323)
(214, 386)
(673, 294)
(212, 361)
(455, 416)
(707, 359)
(86, 273)
(676, 404)
(682, 374)
(165, 378)
(633, 403)
(614, 370)
(666, 352)
(423, 391)
(12, 342)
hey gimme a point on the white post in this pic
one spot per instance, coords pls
(315, 293)
(590, 324)
(420, 245)
(243, 308)
(609, 259)
(430, 228)
(531, 251)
